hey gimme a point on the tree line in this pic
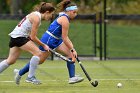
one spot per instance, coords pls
(85, 6)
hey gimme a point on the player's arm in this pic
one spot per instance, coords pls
(65, 28)
(35, 25)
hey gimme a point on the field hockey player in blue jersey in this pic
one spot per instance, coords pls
(56, 37)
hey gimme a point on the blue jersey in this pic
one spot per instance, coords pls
(55, 28)
(53, 36)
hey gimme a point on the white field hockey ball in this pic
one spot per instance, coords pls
(119, 85)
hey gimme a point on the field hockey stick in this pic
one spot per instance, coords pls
(60, 56)
(95, 83)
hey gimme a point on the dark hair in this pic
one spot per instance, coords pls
(64, 4)
(43, 7)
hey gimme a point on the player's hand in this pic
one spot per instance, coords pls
(74, 55)
(46, 47)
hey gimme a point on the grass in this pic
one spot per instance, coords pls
(6, 27)
(77, 34)
(122, 40)
(54, 76)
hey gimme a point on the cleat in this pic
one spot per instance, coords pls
(17, 76)
(33, 80)
(75, 79)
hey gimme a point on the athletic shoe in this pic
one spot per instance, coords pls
(75, 79)
(33, 80)
(17, 76)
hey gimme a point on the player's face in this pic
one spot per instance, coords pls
(48, 15)
(73, 14)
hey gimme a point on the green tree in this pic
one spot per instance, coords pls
(4, 6)
(85, 6)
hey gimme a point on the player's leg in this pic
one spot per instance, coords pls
(25, 69)
(44, 54)
(71, 66)
(13, 55)
(33, 49)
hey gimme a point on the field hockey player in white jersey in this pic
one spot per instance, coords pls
(24, 37)
(56, 37)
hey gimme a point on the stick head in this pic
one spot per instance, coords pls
(95, 83)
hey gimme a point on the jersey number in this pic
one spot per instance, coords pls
(21, 21)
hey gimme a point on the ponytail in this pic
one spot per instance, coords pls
(43, 7)
(64, 4)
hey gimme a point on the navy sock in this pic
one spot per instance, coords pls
(25, 69)
(71, 69)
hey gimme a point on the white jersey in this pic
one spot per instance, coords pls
(23, 29)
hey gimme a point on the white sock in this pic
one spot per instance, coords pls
(33, 65)
(3, 65)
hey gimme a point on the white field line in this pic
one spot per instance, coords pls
(118, 79)
(7, 81)
(72, 91)
(67, 80)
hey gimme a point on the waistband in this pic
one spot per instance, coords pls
(52, 35)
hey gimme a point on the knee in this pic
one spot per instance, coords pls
(43, 57)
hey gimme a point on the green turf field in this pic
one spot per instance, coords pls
(122, 40)
(54, 76)
(76, 33)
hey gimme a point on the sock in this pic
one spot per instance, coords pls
(71, 69)
(3, 65)
(25, 69)
(33, 65)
